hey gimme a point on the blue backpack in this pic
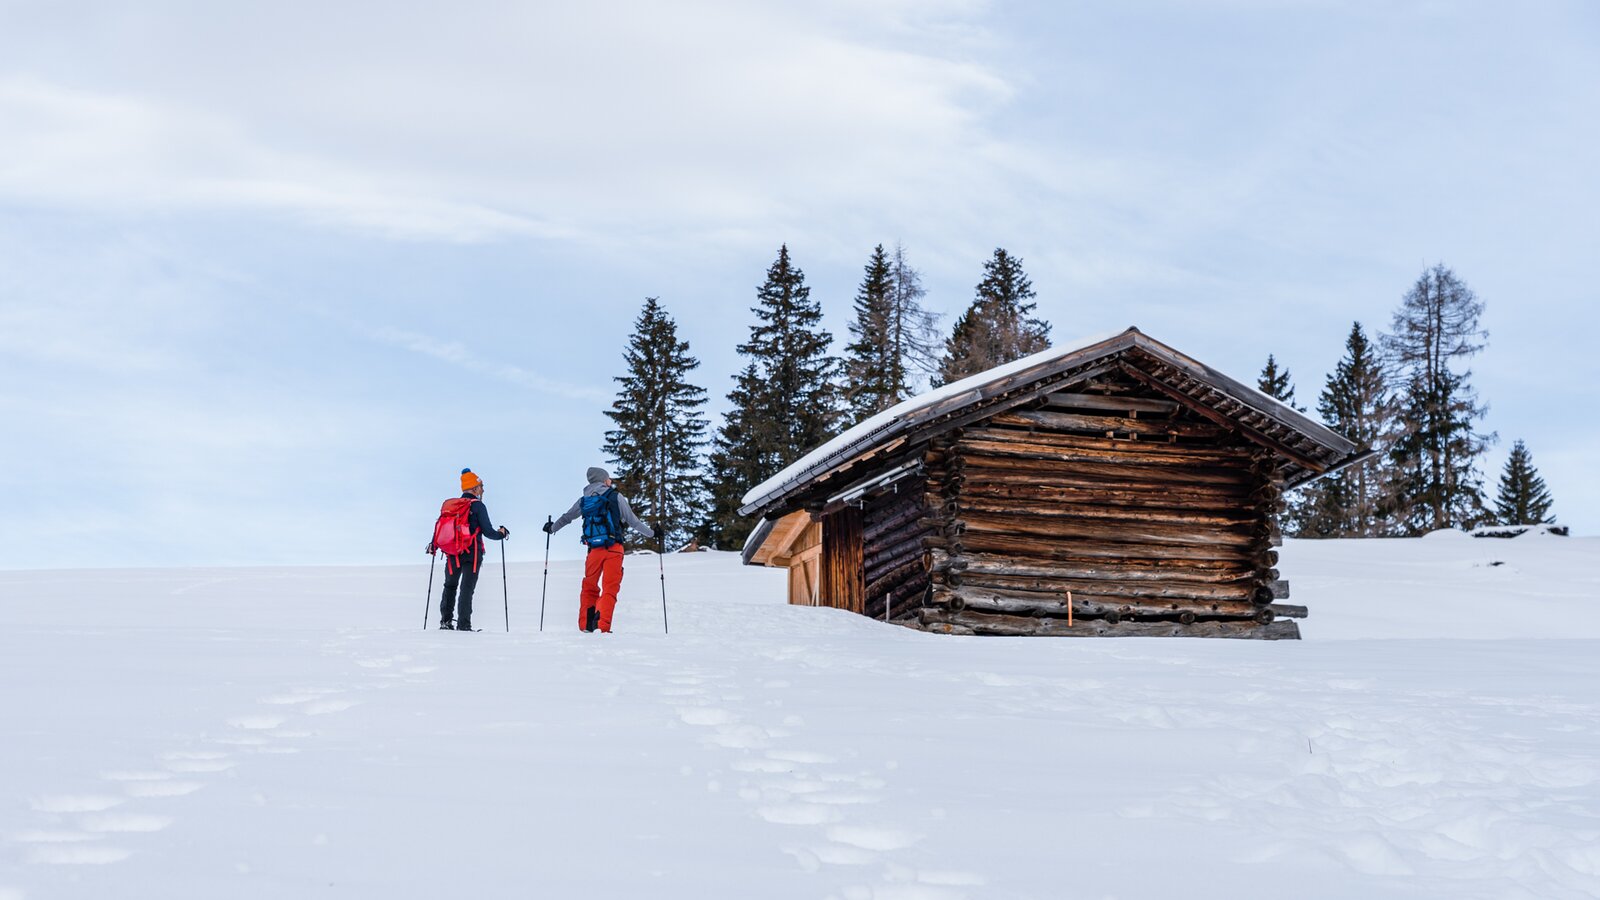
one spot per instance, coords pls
(602, 524)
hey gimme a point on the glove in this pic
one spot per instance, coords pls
(549, 527)
(430, 549)
(505, 532)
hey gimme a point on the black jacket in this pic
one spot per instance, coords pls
(478, 518)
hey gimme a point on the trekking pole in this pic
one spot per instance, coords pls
(505, 592)
(662, 565)
(433, 558)
(547, 520)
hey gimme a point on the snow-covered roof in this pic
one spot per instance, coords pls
(1013, 376)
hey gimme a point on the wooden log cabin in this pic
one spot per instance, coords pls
(1114, 488)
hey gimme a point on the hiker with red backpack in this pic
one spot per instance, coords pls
(459, 532)
(605, 512)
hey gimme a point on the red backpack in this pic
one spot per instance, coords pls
(453, 532)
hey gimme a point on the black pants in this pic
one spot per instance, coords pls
(460, 571)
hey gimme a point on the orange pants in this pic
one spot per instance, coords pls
(602, 578)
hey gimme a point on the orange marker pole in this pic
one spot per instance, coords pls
(1069, 609)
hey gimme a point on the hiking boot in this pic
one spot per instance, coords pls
(591, 619)
(463, 626)
(446, 626)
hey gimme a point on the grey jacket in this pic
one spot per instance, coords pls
(628, 518)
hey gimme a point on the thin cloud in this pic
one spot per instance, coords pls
(457, 354)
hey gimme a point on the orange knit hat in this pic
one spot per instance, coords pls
(469, 480)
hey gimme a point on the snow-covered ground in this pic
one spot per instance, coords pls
(283, 733)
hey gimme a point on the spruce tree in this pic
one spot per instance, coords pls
(892, 336)
(1435, 482)
(739, 460)
(1276, 383)
(874, 375)
(996, 328)
(1523, 497)
(784, 404)
(1355, 402)
(660, 427)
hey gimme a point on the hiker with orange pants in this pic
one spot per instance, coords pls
(605, 512)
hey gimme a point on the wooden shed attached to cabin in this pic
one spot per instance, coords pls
(1114, 488)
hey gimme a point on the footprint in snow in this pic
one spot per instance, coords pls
(76, 855)
(257, 722)
(99, 823)
(197, 761)
(75, 803)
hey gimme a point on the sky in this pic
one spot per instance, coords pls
(272, 274)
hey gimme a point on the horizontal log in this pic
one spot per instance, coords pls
(895, 576)
(1287, 611)
(1130, 459)
(1227, 451)
(1154, 450)
(1084, 603)
(907, 601)
(1119, 483)
(989, 624)
(1108, 401)
(1091, 424)
(1279, 587)
(1169, 499)
(1048, 548)
(891, 517)
(978, 503)
(990, 455)
(916, 584)
(1043, 526)
(1145, 589)
(883, 542)
(1195, 571)
(878, 564)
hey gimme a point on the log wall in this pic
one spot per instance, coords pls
(1155, 521)
(895, 560)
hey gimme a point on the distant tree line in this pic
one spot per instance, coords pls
(1408, 396)
(1411, 399)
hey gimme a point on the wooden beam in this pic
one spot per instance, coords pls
(1095, 424)
(966, 622)
(1104, 401)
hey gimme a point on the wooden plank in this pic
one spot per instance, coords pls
(1123, 569)
(1191, 449)
(1106, 401)
(1001, 455)
(1021, 603)
(1092, 424)
(939, 620)
(1089, 510)
(1134, 589)
(842, 586)
(1127, 501)
(1120, 532)
(1048, 548)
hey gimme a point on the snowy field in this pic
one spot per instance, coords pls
(284, 733)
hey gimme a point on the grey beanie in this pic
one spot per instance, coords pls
(597, 475)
